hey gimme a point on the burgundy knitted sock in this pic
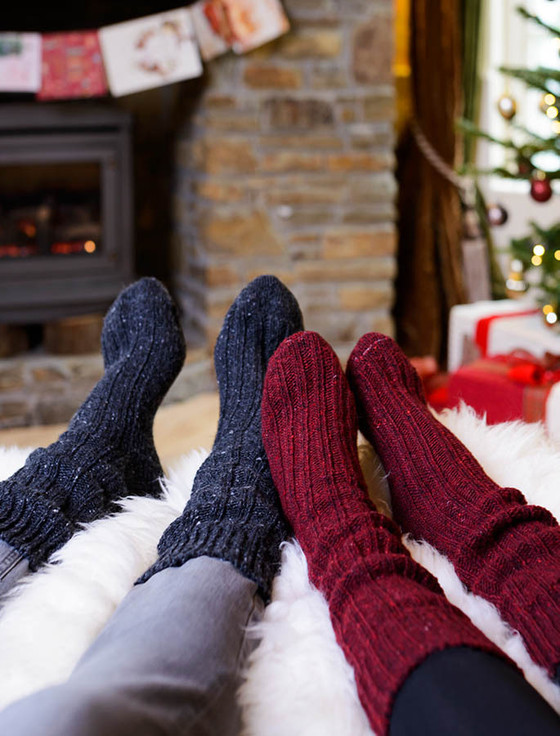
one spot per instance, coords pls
(388, 613)
(501, 548)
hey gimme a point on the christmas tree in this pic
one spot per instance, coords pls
(536, 255)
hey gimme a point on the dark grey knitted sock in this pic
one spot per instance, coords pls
(108, 450)
(234, 513)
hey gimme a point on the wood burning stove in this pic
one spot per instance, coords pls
(65, 210)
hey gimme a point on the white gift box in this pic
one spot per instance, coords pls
(464, 319)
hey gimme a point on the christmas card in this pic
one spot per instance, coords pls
(150, 52)
(255, 22)
(20, 62)
(212, 29)
(72, 66)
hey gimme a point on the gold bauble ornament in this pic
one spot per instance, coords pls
(516, 285)
(507, 106)
(547, 100)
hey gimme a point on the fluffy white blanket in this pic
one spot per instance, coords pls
(298, 681)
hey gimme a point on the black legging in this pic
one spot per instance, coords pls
(464, 692)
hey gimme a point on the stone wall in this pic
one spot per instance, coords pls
(285, 166)
(48, 389)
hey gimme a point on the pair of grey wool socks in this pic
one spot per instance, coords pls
(108, 451)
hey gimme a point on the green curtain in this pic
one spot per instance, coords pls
(471, 12)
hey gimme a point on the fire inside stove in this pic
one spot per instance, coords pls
(50, 209)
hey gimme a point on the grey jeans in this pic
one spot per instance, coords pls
(168, 662)
(13, 566)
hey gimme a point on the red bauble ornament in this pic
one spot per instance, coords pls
(497, 214)
(541, 190)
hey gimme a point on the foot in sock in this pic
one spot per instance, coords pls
(107, 452)
(502, 548)
(388, 613)
(234, 513)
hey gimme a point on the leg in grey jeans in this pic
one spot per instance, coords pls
(13, 566)
(167, 662)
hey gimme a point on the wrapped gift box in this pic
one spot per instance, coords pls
(527, 332)
(510, 387)
(496, 327)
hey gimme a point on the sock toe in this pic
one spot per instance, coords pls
(144, 314)
(384, 358)
(264, 313)
(299, 364)
(283, 314)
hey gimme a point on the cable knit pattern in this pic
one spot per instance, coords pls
(388, 613)
(107, 451)
(234, 513)
(502, 548)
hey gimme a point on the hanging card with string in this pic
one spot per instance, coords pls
(20, 62)
(149, 52)
(212, 28)
(72, 66)
(255, 22)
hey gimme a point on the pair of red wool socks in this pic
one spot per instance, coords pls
(388, 613)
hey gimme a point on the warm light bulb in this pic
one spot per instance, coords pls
(536, 260)
(89, 246)
(548, 308)
(550, 99)
(556, 127)
(539, 249)
(551, 318)
(552, 112)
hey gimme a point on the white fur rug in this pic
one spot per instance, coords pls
(298, 682)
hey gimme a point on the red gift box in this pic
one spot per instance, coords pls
(506, 387)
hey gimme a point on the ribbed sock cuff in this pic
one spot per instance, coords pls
(30, 522)
(256, 556)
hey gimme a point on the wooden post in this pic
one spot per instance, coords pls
(74, 335)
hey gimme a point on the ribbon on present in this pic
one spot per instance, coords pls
(506, 387)
(536, 375)
(483, 325)
(529, 370)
